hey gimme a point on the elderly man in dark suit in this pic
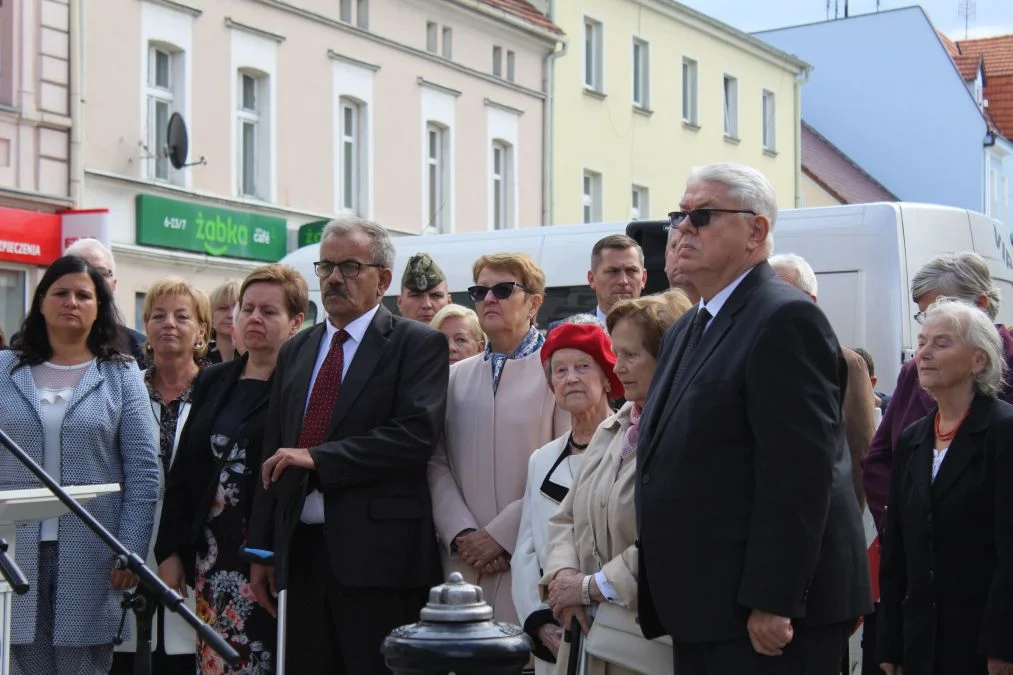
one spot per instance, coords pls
(752, 552)
(356, 407)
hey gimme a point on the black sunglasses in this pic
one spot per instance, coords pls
(500, 291)
(349, 268)
(699, 217)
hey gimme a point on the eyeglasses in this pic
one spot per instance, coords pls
(349, 268)
(500, 291)
(699, 217)
(104, 271)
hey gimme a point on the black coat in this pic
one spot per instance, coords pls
(194, 474)
(946, 566)
(372, 469)
(744, 488)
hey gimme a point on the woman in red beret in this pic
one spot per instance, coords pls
(579, 363)
(591, 571)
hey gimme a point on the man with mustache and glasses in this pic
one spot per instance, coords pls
(751, 548)
(356, 407)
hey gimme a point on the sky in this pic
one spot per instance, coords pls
(991, 17)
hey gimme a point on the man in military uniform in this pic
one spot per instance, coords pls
(423, 289)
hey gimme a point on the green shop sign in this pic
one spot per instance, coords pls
(309, 233)
(207, 229)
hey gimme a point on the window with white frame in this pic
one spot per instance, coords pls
(163, 80)
(432, 37)
(252, 134)
(437, 179)
(993, 193)
(497, 61)
(448, 42)
(510, 66)
(6, 53)
(639, 203)
(690, 113)
(361, 12)
(641, 74)
(593, 55)
(591, 197)
(352, 175)
(731, 95)
(502, 185)
(769, 121)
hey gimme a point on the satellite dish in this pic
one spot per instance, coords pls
(177, 141)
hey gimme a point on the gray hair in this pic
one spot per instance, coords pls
(383, 250)
(87, 245)
(747, 186)
(963, 275)
(803, 276)
(977, 331)
(585, 319)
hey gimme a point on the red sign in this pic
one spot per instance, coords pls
(29, 237)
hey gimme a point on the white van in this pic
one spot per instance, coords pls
(864, 256)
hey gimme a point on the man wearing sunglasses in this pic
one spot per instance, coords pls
(752, 551)
(356, 408)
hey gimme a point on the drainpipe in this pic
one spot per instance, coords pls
(800, 79)
(77, 101)
(548, 123)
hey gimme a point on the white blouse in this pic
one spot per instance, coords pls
(55, 385)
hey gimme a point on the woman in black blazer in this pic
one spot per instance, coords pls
(209, 491)
(946, 570)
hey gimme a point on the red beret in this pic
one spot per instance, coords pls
(590, 339)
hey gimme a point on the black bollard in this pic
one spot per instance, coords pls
(456, 634)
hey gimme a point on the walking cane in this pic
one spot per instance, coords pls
(279, 664)
(575, 637)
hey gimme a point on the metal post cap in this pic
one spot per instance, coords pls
(456, 602)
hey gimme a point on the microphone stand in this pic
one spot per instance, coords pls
(151, 590)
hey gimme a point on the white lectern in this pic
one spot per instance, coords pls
(25, 506)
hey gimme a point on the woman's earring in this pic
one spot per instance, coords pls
(199, 346)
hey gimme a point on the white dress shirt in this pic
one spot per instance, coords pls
(720, 298)
(313, 508)
(600, 315)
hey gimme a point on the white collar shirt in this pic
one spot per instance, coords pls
(720, 298)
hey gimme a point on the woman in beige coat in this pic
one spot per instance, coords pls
(592, 550)
(499, 410)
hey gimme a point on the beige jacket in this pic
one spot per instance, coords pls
(598, 511)
(477, 477)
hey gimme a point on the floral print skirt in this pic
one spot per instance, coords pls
(224, 597)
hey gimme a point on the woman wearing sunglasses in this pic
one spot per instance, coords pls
(499, 410)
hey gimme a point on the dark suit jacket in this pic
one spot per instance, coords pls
(909, 404)
(744, 492)
(946, 568)
(372, 468)
(193, 479)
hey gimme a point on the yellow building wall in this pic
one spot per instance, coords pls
(814, 195)
(657, 150)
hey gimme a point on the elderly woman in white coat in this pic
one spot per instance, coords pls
(77, 407)
(579, 363)
(177, 319)
(592, 563)
(499, 411)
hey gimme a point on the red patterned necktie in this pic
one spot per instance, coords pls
(325, 395)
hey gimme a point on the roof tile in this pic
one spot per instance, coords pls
(525, 11)
(837, 173)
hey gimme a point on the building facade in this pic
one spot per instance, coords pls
(647, 90)
(35, 145)
(887, 93)
(830, 178)
(425, 116)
